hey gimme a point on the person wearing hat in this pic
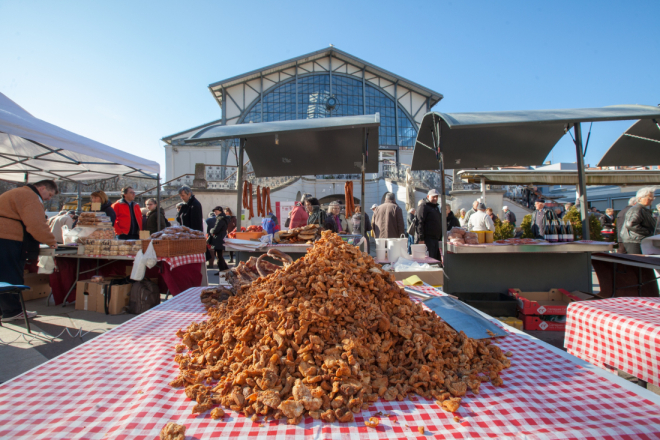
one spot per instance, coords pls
(509, 216)
(480, 220)
(429, 227)
(388, 219)
(216, 238)
(541, 217)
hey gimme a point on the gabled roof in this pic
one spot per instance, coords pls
(216, 87)
(189, 132)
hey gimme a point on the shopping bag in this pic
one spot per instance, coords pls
(46, 265)
(150, 256)
(139, 267)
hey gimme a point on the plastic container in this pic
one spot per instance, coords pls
(488, 236)
(249, 235)
(381, 243)
(381, 254)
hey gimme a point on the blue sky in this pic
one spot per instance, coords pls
(127, 73)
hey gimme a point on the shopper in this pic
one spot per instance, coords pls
(64, 218)
(191, 212)
(297, 216)
(480, 220)
(129, 216)
(471, 211)
(22, 227)
(639, 222)
(411, 227)
(178, 213)
(334, 212)
(463, 218)
(429, 229)
(489, 213)
(452, 221)
(509, 217)
(541, 217)
(316, 215)
(388, 219)
(607, 219)
(231, 225)
(217, 238)
(270, 223)
(620, 221)
(152, 217)
(106, 206)
(145, 213)
(355, 225)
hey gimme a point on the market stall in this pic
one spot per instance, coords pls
(117, 386)
(617, 334)
(341, 145)
(495, 139)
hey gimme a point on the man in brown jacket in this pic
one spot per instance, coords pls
(23, 226)
(388, 219)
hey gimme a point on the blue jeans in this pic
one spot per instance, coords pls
(411, 241)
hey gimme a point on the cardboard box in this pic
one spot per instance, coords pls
(39, 285)
(93, 298)
(554, 302)
(535, 323)
(432, 277)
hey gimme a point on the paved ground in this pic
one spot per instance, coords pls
(58, 329)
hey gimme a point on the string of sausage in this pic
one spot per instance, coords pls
(348, 196)
(265, 200)
(250, 195)
(260, 207)
(246, 198)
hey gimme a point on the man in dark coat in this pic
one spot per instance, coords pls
(620, 220)
(541, 217)
(509, 216)
(639, 222)
(191, 212)
(429, 229)
(217, 237)
(388, 219)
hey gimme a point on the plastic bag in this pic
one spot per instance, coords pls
(150, 258)
(139, 267)
(46, 264)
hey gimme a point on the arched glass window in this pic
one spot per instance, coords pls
(279, 104)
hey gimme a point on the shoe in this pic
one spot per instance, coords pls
(231, 261)
(20, 316)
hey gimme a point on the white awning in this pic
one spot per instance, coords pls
(34, 149)
(561, 177)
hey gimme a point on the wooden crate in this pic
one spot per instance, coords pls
(176, 248)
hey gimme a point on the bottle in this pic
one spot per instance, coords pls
(546, 233)
(562, 233)
(569, 232)
(554, 236)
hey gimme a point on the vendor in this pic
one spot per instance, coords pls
(129, 216)
(152, 217)
(334, 212)
(102, 198)
(22, 227)
(480, 220)
(316, 215)
(541, 217)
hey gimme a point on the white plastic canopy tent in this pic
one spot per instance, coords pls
(32, 149)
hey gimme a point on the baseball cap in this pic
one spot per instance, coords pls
(374, 206)
(218, 208)
(433, 193)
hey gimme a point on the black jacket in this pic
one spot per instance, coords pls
(107, 208)
(620, 221)
(606, 221)
(218, 232)
(152, 221)
(428, 221)
(191, 214)
(639, 224)
(317, 217)
(452, 221)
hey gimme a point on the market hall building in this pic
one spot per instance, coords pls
(326, 83)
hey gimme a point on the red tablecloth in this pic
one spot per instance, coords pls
(116, 387)
(623, 333)
(176, 274)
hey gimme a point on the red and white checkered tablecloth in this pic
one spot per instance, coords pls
(184, 259)
(623, 333)
(116, 387)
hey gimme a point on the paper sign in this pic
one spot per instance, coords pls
(96, 206)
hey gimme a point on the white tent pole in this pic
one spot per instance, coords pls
(79, 198)
(239, 184)
(483, 190)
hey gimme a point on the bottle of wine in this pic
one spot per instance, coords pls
(569, 232)
(562, 233)
(546, 233)
(553, 232)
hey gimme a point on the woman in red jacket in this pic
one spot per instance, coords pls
(298, 216)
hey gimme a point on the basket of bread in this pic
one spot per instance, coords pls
(175, 241)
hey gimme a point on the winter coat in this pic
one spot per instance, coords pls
(191, 214)
(218, 232)
(411, 225)
(510, 217)
(317, 217)
(606, 221)
(107, 208)
(298, 216)
(22, 207)
(428, 221)
(388, 221)
(341, 221)
(269, 224)
(123, 220)
(452, 221)
(620, 221)
(56, 226)
(231, 223)
(480, 221)
(355, 224)
(639, 224)
(468, 214)
(152, 221)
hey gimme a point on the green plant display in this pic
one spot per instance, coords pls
(573, 216)
(503, 230)
(526, 226)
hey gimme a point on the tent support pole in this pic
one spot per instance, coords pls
(582, 186)
(79, 198)
(362, 202)
(443, 196)
(483, 190)
(158, 203)
(239, 185)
